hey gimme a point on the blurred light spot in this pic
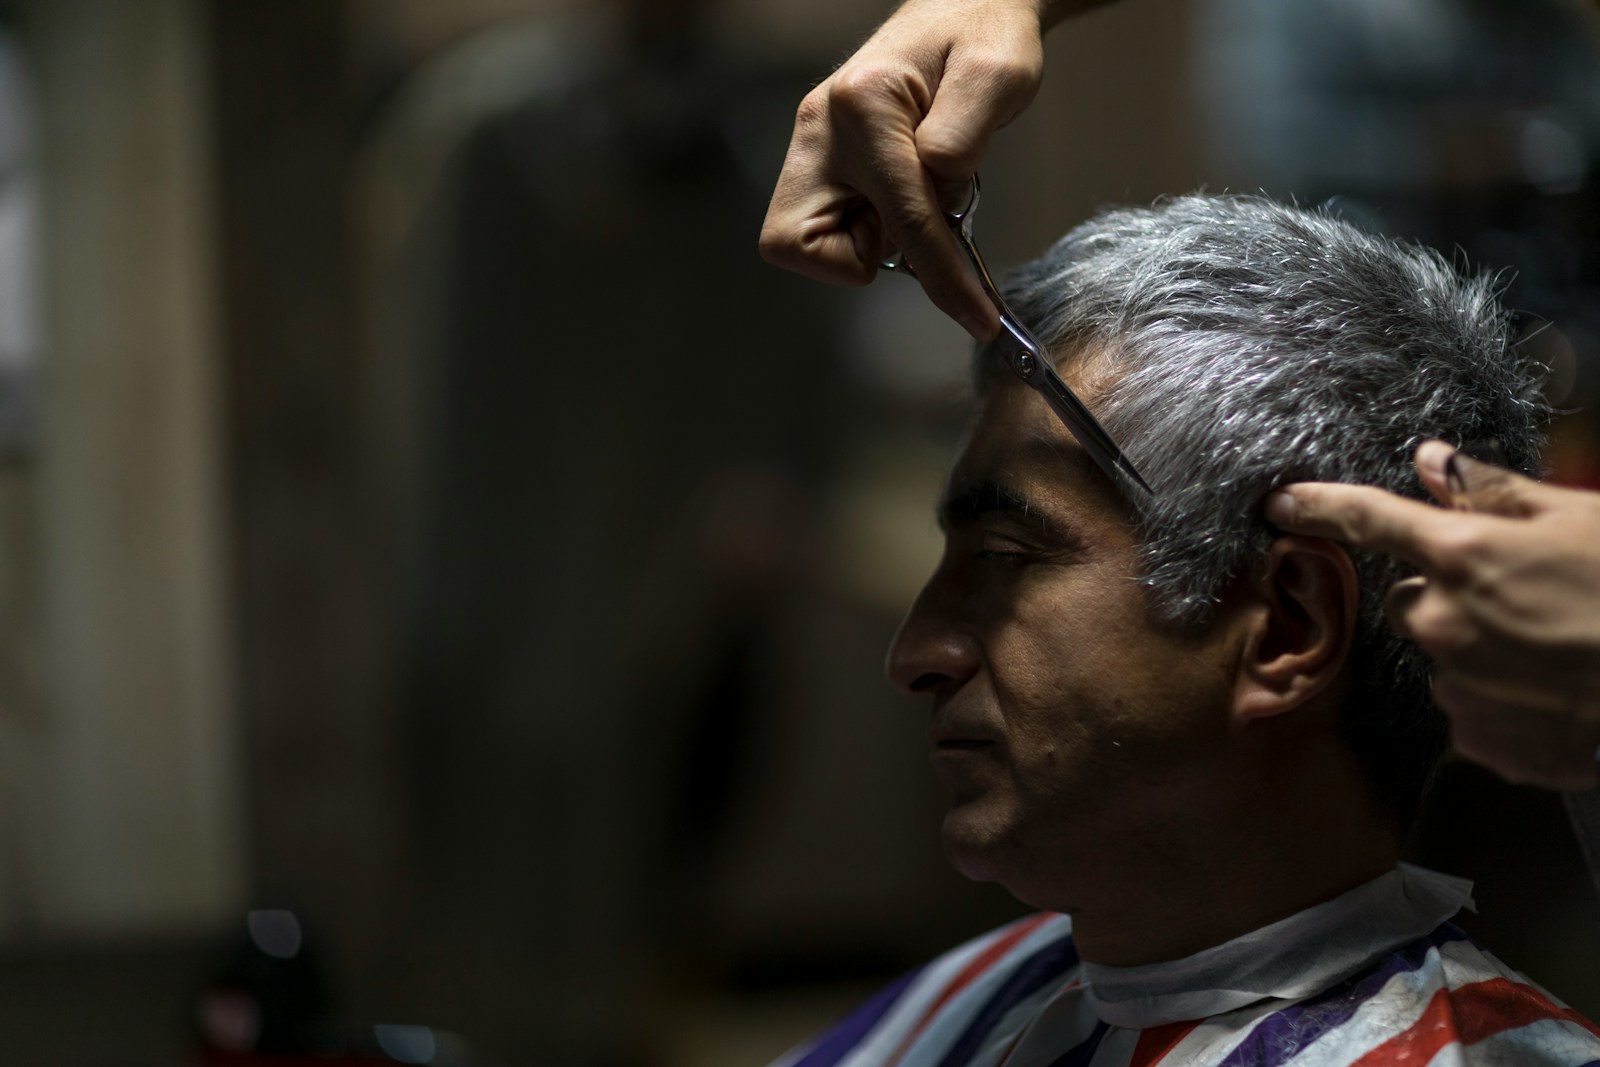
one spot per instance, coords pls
(1548, 345)
(275, 932)
(229, 1019)
(1552, 158)
(408, 1044)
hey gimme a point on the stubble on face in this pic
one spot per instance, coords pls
(1084, 715)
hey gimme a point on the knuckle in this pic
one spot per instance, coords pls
(1458, 551)
(1358, 524)
(1007, 74)
(862, 91)
(813, 109)
(947, 150)
(775, 246)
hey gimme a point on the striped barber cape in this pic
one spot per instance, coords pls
(1373, 978)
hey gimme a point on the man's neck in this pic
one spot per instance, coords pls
(1227, 872)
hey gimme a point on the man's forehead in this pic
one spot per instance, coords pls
(1014, 438)
(1023, 456)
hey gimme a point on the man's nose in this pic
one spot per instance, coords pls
(931, 651)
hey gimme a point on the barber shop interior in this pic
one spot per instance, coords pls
(464, 602)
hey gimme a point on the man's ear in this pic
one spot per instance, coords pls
(1301, 629)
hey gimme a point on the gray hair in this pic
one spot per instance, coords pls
(1254, 344)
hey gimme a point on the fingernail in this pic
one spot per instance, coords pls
(1433, 458)
(1279, 508)
(1457, 467)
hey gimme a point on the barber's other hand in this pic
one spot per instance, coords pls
(906, 120)
(1508, 605)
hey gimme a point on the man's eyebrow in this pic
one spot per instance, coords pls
(970, 502)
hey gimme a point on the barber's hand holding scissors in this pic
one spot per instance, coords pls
(903, 122)
(1508, 604)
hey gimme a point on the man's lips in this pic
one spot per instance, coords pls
(958, 739)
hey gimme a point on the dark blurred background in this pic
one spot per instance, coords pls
(444, 573)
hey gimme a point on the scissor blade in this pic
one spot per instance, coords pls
(1085, 427)
(1022, 350)
(1028, 360)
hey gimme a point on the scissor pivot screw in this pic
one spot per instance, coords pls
(1025, 365)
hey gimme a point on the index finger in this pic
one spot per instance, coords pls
(914, 222)
(1363, 516)
(873, 123)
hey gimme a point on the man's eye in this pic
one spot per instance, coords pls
(1006, 553)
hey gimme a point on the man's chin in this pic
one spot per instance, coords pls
(974, 841)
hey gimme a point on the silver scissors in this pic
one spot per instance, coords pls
(1029, 361)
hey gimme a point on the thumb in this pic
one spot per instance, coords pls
(978, 93)
(1459, 481)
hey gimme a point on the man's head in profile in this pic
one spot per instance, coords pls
(1160, 716)
(1189, 739)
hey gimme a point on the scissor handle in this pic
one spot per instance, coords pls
(1031, 363)
(961, 222)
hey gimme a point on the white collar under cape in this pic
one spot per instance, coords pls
(1348, 932)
